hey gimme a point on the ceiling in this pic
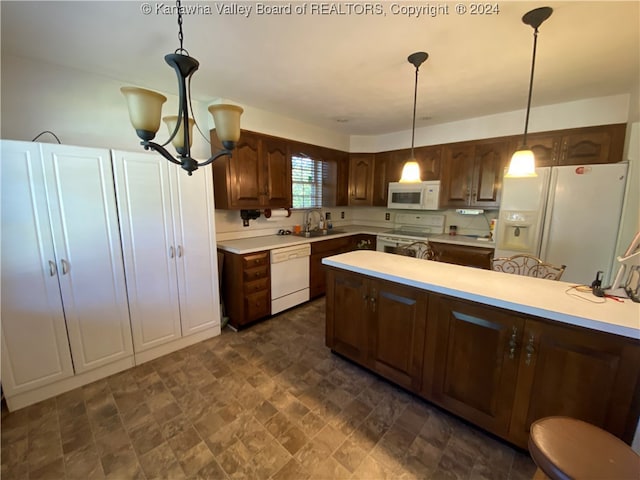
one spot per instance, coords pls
(345, 72)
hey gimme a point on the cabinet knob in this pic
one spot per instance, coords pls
(513, 343)
(530, 350)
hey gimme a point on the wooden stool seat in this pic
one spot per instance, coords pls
(567, 448)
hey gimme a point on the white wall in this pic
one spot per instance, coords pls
(582, 113)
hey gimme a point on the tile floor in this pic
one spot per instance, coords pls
(268, 402)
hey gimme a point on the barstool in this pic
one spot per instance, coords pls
(565, 448)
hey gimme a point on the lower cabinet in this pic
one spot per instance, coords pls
(168, 236)
(378, 324)
(479, 257)
(498, 369)
(246, 287)
(320, 250)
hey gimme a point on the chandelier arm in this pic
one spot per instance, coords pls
(161, 150)
(195, 122)
(212, 158)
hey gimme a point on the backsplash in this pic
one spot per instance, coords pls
(229, 223)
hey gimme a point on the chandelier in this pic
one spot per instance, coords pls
(523, 161)
(145, 109)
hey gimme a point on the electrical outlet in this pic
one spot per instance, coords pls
(387, 216)
(341, 214)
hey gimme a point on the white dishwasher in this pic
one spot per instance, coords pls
(289, 277)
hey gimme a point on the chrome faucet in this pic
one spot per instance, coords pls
(307, 219)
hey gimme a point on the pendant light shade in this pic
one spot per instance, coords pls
(411, 169)
(145, 109)
(523, 161)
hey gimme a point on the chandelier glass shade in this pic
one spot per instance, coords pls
(145, 112)
(522, 162)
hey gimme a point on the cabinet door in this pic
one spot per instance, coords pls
(578, 373)
(381, 173)
(429, 159)
(479, 257)
(245, 180)
(197, 262)
(490, 160)
(545, 148)
(35, 348)
(347, 312)
(146, 223)
(397, 332)
(457, 171)
(87, 243)
(361, 179)
(587, 146)
(277, 173)
(475, 374)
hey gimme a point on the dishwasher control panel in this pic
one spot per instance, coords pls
(289, 253)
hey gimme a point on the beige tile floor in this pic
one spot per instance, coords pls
(268, 402)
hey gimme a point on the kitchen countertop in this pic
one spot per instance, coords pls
(533, 296)
(269, 242)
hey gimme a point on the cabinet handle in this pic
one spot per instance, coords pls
(52, 268)
(530, 350)
(179, 251)
(513, 343)
(373, 299)
(172, 252)
(65, 266)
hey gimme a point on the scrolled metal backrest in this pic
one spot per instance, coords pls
(529, 266)
(420, 250)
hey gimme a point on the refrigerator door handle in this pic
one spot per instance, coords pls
(548, 214)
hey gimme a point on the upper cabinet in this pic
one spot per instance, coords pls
(257, 175)
(472, 174)
(577, 146)
(361, 168)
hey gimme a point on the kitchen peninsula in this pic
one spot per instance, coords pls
(496, 349)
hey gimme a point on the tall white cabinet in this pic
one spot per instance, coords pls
(168, 237)
(65, 319)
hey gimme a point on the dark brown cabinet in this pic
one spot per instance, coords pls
(246, 287)
(578, 373)
(499, 369)
(379, 324)
(472, 174)
(477, 362)
(361, 167)
(320, 250)
(258, 175)
(383, 172)
(479, 257)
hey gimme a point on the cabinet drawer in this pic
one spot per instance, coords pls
(251, 274)
(255, 260)
(256, 286)
(335, 245)
(257, 305)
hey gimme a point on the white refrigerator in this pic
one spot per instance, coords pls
(565, 216)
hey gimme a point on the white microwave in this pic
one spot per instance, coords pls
(414, 196)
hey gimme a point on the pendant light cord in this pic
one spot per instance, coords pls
(415, 100)
(533, 65)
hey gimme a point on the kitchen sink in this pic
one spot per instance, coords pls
(319, 233)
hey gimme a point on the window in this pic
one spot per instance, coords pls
(306, 182)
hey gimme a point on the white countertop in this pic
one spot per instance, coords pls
(268, 242)
(543, 298)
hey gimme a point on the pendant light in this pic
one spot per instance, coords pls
(411, 169)
(145, 108)
(523, 161)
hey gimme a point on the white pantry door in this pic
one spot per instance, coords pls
(35, 349)
(84, 222)
(146, 223)
(197, 261)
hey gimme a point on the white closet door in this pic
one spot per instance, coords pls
(35, 349)
(87, 243)
(195, 229)
(144, 206)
